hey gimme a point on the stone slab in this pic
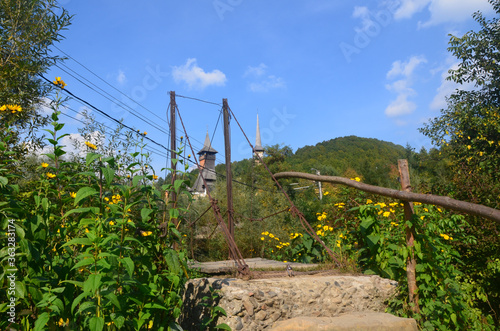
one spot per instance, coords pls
(362, 321)
(257, 304)
(229, 266)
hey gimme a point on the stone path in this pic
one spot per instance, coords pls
(229, 266)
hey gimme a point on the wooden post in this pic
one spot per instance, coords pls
(411, 262)
(173, 151)
(229, 177)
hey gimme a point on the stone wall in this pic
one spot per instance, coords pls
(258, 304)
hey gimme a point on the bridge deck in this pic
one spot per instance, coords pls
(228, 266)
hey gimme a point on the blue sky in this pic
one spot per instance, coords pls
(313, 70)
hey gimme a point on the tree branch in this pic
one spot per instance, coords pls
(445, 202)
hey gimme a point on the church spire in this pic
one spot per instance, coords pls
(207, 146)
(259, 150)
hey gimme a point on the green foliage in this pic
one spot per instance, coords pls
(444, 305)
(89, 255)
(468, 132)
(28, 30)
(372, 159)
(214, 312)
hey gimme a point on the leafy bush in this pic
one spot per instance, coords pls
(88, 250)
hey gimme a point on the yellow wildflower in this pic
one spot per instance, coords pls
(271, 235)
(261, 238)
(61, 322)
(369, 201)
(111, 223)
(387, 213)
(90, 145)
(50, 175)
(72, 194)
(155, 177)
(445, 236)
(44, 165)
(146, 233)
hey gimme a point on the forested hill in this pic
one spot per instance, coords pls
(372, 159)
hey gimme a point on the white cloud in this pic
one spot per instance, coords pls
(442, 11)
(263, 83)
(402, 105)
(269, 83)
(447, 87)
(406, 68)
(121, 78)
(257, 71)
(196, 77)
(409, 7)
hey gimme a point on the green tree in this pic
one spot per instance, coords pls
(470, 127)
(28, 29)
(468, 130)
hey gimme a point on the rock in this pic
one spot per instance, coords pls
(368, 321)
(261, 315)
(259, 303)
(248, 306)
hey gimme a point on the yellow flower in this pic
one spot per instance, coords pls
(271, 235)
(261, 238)
(326, 193)
(87, 230)
(62, 322)
(111, 223)
(387, 213)
(445, 236)
(189, 155)
(3, 108)
(369, 201)
(394, 224)
(145, 133)
(59, 82)
(90, 145)
(146, 233)
(50, 175)
(44, 165)
(155, 177)
(285, 261)
(265, 233)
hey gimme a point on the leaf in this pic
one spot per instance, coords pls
(81, 210)
(223, 326)
(41, 321)
(172, 261)
(78, 299)
(91, 157)
(145, 214)
(119, 321)
(372, 240)
(109, 174)
(114, 299)
(136, 180)
(92, 284)
(83, 193)
(177, 185)
(154, 306)
(129, 265)
(78, 241)
(83, 263)
(367, 222)
(96, 323)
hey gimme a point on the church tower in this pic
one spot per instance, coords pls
(258, 149)
(207, 168)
